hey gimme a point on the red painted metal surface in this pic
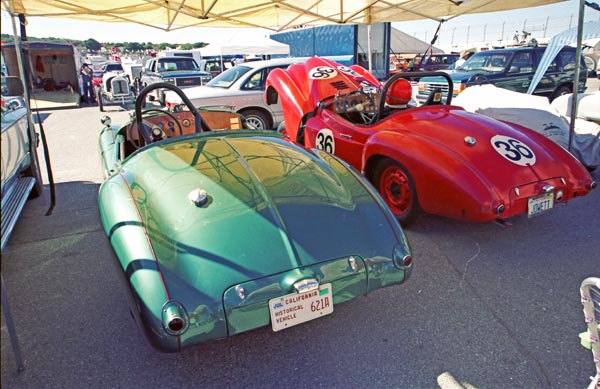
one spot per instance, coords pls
(463, 165)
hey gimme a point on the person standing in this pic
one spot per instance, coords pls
(86, 77)
(463, 58)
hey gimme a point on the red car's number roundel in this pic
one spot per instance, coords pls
(347, 70)
(325, 141)
(322, 72)
(514, 150)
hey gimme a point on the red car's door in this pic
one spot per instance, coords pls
(333, 134)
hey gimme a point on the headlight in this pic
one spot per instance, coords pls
(458, 87)
(170, 80)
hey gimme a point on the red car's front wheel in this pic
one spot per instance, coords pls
(397, 189)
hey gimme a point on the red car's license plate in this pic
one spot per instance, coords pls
(540, 204)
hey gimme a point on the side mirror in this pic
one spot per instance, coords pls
(514, 69)
(14, 86)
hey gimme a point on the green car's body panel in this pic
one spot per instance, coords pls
(276, 213)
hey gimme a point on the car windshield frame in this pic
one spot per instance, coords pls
(113, 67)
(485, 60)
(181, 63)
(229, 77)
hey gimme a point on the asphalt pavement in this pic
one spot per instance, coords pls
(488, 306)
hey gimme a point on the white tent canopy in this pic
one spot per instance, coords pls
(262, 46)
(402, 43)
(591, 30)
(271, 14)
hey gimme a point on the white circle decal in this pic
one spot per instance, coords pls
(513, 150)
(322, 73)
(325, 141)
(347, 70)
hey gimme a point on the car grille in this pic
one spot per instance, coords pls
(184, 82)
(119, 87)
(430, 86)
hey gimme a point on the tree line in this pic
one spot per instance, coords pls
(130, 47)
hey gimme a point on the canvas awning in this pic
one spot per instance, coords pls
(260, 46)
(276, 15)
(402, 43)
(590, 30)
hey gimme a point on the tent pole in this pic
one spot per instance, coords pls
(574, 98)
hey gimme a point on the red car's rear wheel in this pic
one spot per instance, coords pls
(398, 190)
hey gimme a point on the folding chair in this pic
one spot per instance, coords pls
(590, 298)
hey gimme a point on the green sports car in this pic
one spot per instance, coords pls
(218, 232)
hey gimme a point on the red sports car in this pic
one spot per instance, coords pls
(97, 78)
(437, 157)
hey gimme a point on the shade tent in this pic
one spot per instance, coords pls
(277, 15)
(590, 30)
(402, 43)
(261, 46)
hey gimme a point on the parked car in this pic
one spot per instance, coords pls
(242, 89)
(431, 62)
(183, 72)
(114, 67)
(220, 232)
(21, 177)
(512, 69)
(591, 53)
(97, 78)
(115, 89)
(436, 158)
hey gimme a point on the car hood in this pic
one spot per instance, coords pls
(185, 73)
(271, 206)
(456, 75)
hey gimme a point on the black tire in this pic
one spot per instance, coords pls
(256, 119)
(397, 188)
(99, 99)
(560, 91)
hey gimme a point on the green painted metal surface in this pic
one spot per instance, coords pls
(276, 213)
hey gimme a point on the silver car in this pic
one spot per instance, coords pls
(240, 89)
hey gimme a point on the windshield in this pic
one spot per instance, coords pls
(227, 78)
(113, 67)
(177, 63)
(486, 61)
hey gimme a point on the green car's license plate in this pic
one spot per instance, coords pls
(540, 204)
(296, 308)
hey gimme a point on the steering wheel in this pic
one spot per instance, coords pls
(152, 131)
(351, 106)
(149, 133)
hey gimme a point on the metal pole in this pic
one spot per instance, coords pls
(574, 99)
(12, 333)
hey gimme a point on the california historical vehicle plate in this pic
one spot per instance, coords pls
(296, 308)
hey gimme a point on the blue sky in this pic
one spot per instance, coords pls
(544, 20)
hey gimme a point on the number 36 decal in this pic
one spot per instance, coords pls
(514, 150)
(325, 141)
